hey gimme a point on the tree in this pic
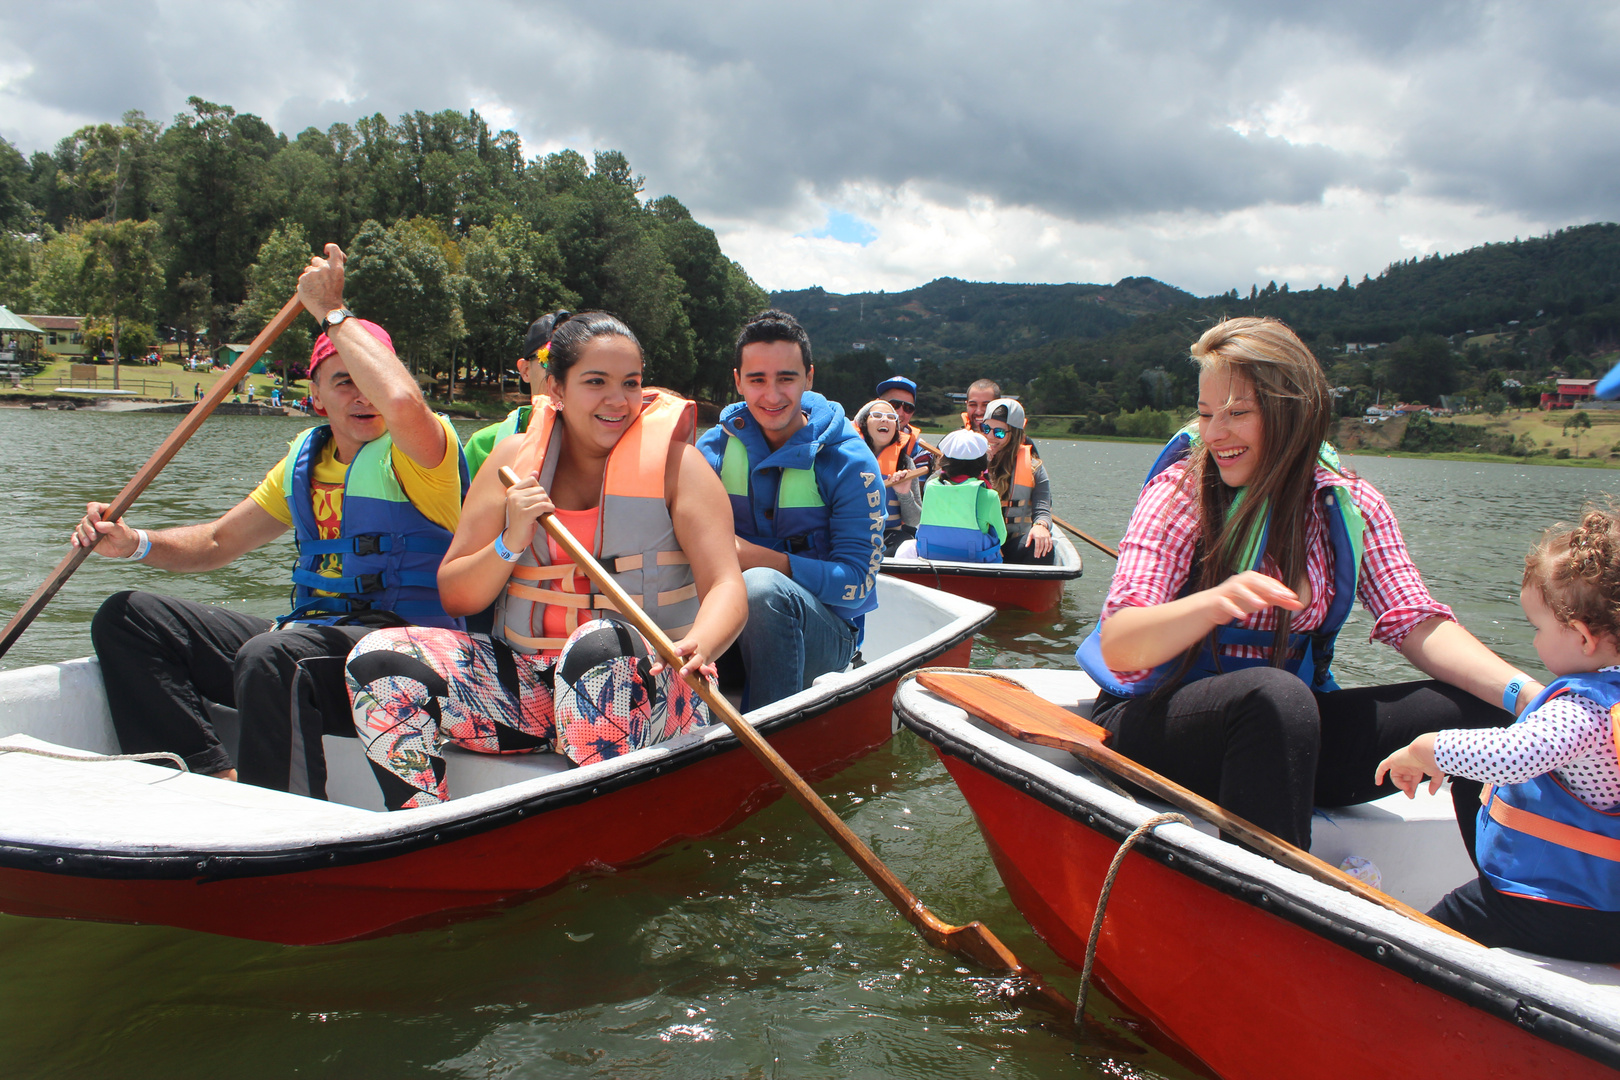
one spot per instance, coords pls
(1495, 403)
(1580, 421)
(120, 276)
(272, 280)
(512, 275)
(218, 208)
(400, 279)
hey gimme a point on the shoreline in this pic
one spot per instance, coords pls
(1443, 455)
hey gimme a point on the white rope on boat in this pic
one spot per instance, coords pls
(179, 762)
(1102, 906)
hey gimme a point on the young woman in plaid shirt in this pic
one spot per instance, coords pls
(1249, 722)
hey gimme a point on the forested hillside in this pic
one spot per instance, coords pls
(455, 240)
(948, 318)
(1461, 324)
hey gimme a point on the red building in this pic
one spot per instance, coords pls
(1569, 394)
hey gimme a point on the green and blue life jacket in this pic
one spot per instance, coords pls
(1537, 840)
(1310, 654)
(480, 443)
(950, 529)
(799, 520)
(389, 550)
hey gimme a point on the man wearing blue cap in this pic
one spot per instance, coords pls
(901, 393)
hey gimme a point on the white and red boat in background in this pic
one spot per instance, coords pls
(1001, 585)
(126, 841)
(1260, 971)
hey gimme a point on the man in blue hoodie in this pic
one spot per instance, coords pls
(808, 505)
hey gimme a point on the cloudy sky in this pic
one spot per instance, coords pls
(880, 145)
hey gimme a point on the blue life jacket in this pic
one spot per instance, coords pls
(390, 551)
(950, 530)
(1310, 652)
(1537, 840)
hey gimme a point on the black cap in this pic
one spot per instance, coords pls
(540, 333)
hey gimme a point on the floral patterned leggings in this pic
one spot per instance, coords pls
(416, 688)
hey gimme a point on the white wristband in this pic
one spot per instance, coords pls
(142, 549)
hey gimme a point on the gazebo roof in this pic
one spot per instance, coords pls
(16, 324)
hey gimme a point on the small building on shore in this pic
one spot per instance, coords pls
(1570, 394)
(64, 334)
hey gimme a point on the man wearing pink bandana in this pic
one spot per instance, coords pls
(370, 495)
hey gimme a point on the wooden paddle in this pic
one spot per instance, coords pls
(974, 940)
(1026, 715)
(1098, 544)
(148, 472)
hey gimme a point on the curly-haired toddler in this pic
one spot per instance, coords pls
(1548, 835)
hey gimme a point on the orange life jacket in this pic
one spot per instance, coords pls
(635, 538)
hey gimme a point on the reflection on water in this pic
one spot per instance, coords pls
(759, 952)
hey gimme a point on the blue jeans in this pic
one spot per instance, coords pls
(791, 637)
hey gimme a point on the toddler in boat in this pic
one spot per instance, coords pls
(1548, 835)
(961, 518)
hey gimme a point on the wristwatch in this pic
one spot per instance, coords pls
(335, 316)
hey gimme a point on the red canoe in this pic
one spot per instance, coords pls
(125, 841)
(1261, 971)
(1001, 585)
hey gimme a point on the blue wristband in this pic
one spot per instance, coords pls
(1510, 692)
(506, 554)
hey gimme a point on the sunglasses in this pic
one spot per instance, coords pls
(903, 406)
(881, 416)
(995, 432)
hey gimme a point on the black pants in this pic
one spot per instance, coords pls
(1016, 551)
(1498, 920)
(163, 658)
(1262, 744)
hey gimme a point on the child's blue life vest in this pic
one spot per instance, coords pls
(1537, 840)
(1310, 653)
(950, 530)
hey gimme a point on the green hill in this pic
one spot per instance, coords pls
(1526, 311)
(948, 318)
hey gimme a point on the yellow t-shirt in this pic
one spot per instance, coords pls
(436, 492)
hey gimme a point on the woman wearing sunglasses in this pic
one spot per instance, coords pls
(1017, 475)
(879, 424)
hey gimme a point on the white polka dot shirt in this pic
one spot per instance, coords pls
(1569, 736)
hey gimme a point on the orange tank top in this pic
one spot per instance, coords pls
(583, 524)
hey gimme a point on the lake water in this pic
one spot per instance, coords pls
(760, 952)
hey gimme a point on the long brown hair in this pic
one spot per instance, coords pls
(1296, 410)
(1002, 467)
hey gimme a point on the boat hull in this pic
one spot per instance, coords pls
(1254, 982)
(138, 843)
(491, 866)
(1001, 585)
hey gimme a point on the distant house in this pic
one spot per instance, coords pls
(1569, 393)
(64, 334)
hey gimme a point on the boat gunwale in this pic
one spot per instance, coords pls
(1014, 571)
(204, 865)
(1525, 1008)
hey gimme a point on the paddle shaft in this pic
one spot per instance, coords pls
(1076, 739)
(973, 940)
(1098, 544)
(148, 472)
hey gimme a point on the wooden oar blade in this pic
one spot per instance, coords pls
(1015, 710)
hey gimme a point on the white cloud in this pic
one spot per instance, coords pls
(1209, 143)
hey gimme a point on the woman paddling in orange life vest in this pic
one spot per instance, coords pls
(1248, 547)
(1017, 475)
(1548, 848)
(616, 464)
(879, 424)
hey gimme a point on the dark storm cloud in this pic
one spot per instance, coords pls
(1091, 112)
